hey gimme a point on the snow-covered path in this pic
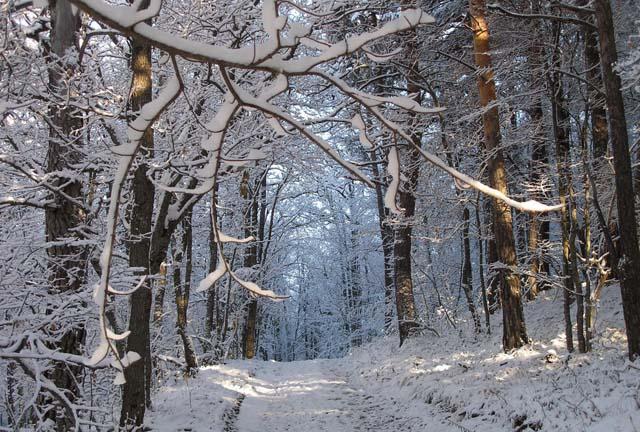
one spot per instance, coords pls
(305, 396)
(300, 396)
(430, 384)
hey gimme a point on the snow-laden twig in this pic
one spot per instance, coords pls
(129, 21)
(531, 206)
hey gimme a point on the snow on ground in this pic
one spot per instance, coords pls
(202, 404)
(454, 382)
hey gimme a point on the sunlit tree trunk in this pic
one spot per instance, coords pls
(136, 391)
(514, 331)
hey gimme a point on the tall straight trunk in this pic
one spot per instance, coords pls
(183, 290)
(495, 281)
(386, 236)
(538, 224)
(596, 101)
(66, 261)
(250, 261)
(580, 334)
(481, 264)
(410, 158)
(514, 331)
(561, 120)
(136, 392)
(467, 275)
(213, 308)
(589, 305)
(629, 262)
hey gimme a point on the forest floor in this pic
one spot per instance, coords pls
(452, 382)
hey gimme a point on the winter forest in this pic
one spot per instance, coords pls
(338, 215)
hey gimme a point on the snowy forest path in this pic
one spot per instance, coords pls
(309, 396)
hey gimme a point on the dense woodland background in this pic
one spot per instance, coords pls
(287, 193)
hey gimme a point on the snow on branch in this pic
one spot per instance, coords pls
(263, 105)
(130, 22)
(126, 154)
(371, 104)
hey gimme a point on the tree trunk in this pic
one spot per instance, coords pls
(629, 263)
(561, 119)
(250, 260)
(514, 331)
(481, 264)
(161, 286)
(386, 236)
(467, 276)
(213, 308)
(409, 158)
(538, 224)
(136, 392)
(183, 290)
(66, 261)
(596, 101)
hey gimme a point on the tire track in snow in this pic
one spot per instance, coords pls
(230, 415)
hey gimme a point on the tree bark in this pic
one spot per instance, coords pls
(66, 262)
(409, 158)
(561, 119)
(136, 391)
(250, 196)
(467, 275)
(629, 262)
(514, 331)
(386, 236)
(183, 290)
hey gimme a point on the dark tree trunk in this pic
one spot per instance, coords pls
(596, 102)
(561, 125)
(514, 331)
(213, 308)
(467, 275)
(66, 261)
(538, 224)
(386, 236)
(409, 159)
(481, 264)
(136, 391)
(251, 212)
(629, 262)
(183, 290)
